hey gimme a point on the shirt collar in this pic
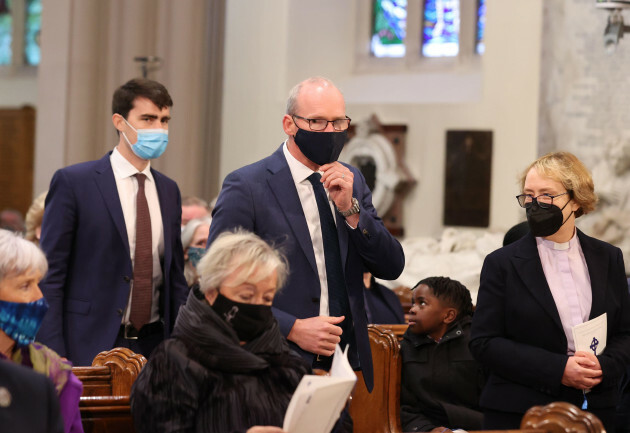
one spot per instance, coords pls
(299, 171)
(124, 169)
(562, 246)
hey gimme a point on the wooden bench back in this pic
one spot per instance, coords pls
(107, 385)
(379, 411)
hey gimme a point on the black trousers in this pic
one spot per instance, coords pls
(148, 339)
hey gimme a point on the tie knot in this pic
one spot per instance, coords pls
(314, 179)
(141, 178)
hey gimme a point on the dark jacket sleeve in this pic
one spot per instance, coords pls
(380, 252)
(179, 286)
(58, 227)
(166, 395)
(411, 417)
(616, 356)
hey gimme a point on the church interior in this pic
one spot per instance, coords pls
(525, 78)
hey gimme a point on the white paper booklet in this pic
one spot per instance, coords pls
(591, 336)
(318, 400)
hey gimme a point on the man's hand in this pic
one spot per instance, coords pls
(338, 180)
(582, 372)
(317, 335)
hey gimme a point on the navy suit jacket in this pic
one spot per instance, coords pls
(85, 241)
(518, 336)
(262, 198)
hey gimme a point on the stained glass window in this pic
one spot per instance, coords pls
(32, 29)
(480, 46)
(389, 28)
(6, 28)
(440, 30)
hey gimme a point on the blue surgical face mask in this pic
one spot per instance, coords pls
(21, 320)
(195, 254)
(151, 143)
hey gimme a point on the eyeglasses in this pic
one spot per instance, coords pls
(321, 124)
(544, 200)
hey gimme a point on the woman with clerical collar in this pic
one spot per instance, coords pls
(534, 291)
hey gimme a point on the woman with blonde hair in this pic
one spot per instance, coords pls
(534, 291)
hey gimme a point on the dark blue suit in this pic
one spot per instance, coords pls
(517, 333)
(262, 198)
(85, 240)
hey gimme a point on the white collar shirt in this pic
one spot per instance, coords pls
(300, 174)
(127, 186)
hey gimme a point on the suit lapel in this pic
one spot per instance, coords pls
(282, 186)
(106, 183)
(597, 265)
(166, 223)
(529, 267)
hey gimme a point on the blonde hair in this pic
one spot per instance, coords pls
(566, 168)
(34, 217)
(240, 251)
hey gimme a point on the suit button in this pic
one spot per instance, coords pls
(366, 233)
(315, 300)
(126, 278)
(119, 311)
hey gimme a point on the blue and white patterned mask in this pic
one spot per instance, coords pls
(21, 320)
(195, 254)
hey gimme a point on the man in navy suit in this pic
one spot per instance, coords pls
(111, 233)
(328, 234)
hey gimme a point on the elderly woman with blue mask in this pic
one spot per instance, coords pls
(227, 367)
(22, 308)
(194, 239)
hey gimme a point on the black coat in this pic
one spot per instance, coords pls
(28, 401)
(203, 380)
(441, 382)
(518, 336)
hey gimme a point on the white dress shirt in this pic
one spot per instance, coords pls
(127, 186)
(300, 174)
(567, 276)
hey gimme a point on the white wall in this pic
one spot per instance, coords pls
(272, 45)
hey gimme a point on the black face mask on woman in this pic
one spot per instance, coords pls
(545, 222)
(248, 320)
(321, 147)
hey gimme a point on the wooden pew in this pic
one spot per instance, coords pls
(379, 412)
(107, 384)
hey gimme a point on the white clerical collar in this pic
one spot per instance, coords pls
(559, 246)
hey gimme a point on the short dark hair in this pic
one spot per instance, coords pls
(122, 102)
(451, 292)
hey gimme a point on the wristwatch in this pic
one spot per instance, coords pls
(354, 209)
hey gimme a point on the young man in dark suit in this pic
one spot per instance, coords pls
(111, 233)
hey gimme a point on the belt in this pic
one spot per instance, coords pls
(322, 362)
(129, 332)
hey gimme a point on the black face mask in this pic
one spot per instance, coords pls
(545, 222)
(248, 320)
(321, 147)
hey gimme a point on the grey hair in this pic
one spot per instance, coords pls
(190, 228)
(18, 256)
(243, 251)
(295, 91)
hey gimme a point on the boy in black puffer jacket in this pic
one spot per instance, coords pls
(441, 382)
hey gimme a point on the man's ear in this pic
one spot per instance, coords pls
(118, 121)
(289, 125)
(450, 316)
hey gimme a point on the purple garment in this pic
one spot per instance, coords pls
(69, 403)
